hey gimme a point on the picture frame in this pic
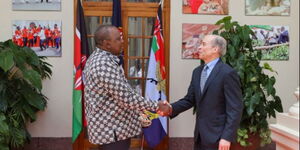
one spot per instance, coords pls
(267, 7)
(43, 5)
(272, 41)
(42, 36)
(205, 7)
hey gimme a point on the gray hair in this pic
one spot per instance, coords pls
(102, 33)
(220, 42)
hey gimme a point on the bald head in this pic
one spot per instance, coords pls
(107, 37)
(102, 33)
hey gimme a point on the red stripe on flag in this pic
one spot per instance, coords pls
(77, 62)
(160, 55)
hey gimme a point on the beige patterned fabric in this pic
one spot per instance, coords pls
(112, 107)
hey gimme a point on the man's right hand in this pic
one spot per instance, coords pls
(164, 108)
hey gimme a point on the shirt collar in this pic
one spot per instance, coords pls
(113, 57)
(212, 64)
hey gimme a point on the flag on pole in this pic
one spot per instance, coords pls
(156, 83)
(116, 17)
(117, 21)
(80, 56)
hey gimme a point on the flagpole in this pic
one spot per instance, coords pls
(142, 145)
(162, 4)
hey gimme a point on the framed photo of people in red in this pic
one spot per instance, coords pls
(42, 36)
(208, 7)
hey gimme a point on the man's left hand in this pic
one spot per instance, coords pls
(224, 145)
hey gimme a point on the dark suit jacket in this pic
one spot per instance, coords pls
(218, 108)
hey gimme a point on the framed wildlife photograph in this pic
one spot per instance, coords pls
(273, 41)
(209, 7)
(268, 7)
(43, 37)
(192, 36)
(36, 5)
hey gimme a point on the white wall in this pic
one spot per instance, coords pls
(56, 120)
(181, 70)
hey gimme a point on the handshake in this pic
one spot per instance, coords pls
(164, 108)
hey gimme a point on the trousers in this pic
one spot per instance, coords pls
(119, 145)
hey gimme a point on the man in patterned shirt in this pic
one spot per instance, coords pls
(112, 106)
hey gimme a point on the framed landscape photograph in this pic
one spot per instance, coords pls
(36, 5)
(192, 36)
(42, 36)
(209, 7)
(268, 7)
(273, 41)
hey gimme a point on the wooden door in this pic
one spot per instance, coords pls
(138, 17)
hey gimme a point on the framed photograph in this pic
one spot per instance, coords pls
(36, 5)
(268, 7)
(192, 36)
(44, 37)
(210, 7)
(273, 41)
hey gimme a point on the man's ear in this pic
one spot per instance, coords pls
(216, 49)
(107, 43)
(104, 43)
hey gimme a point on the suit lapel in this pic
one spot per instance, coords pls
(211, 77)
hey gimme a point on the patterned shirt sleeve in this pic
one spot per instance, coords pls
(110, 78)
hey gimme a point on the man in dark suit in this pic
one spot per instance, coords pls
(215, 91)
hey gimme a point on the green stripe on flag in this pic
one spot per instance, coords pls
(154, 45)
(77, 114)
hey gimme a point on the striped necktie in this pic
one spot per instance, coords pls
(203, 77)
